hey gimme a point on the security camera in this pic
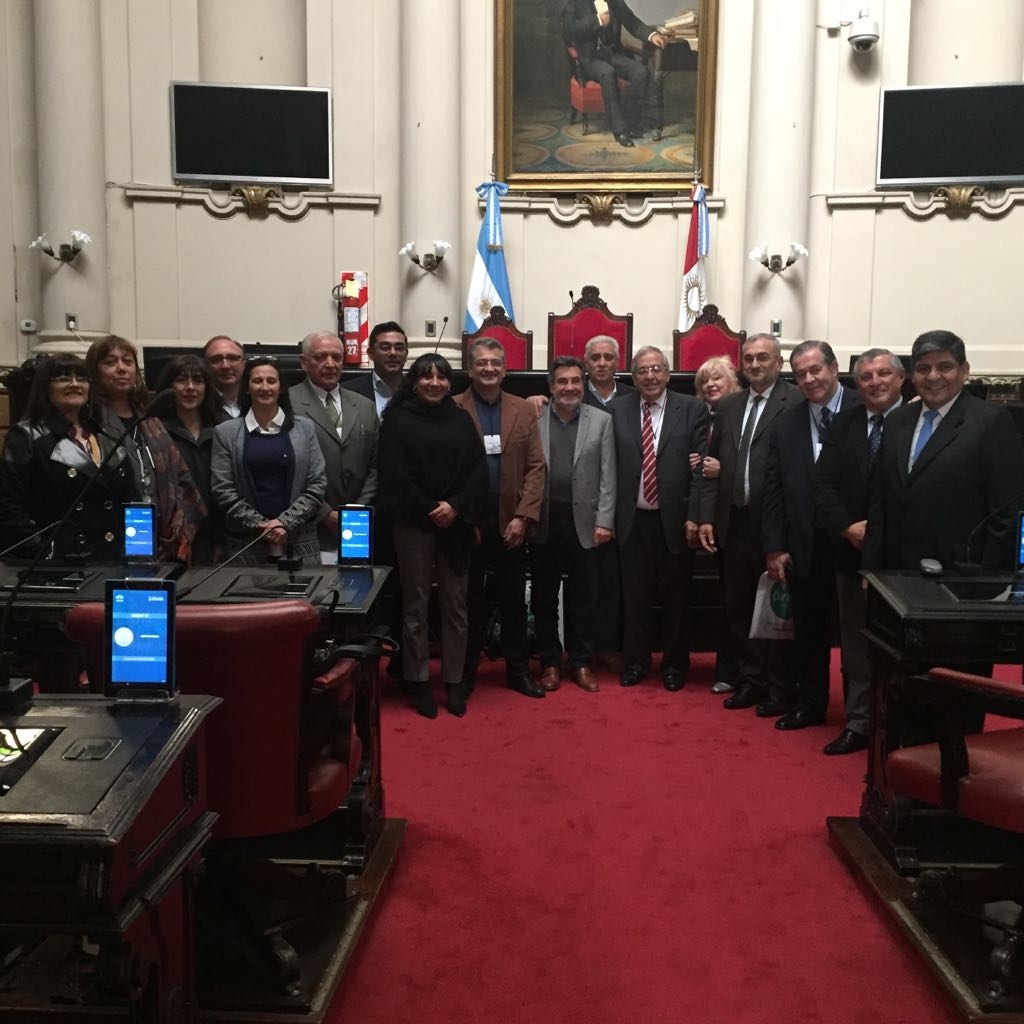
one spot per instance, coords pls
(863, 32)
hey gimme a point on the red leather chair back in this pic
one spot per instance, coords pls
(709, 336)
(569, 333)
(518, 344)
(271, 765)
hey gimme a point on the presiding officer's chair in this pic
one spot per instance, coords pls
(709, 336)
(518, 344)
(972, 782)
(568, 333)
(283, 753)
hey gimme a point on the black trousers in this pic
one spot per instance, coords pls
(813, 597)
(764, 664)
(563, 553)
(507, 567)
(652, 576)
(606, 67)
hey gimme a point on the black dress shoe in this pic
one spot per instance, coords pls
(672, 679)
(800, 718)
(522, 682)
(847, 742)
(746, 696)
(631, 676)
(773, 707)
(623, 138)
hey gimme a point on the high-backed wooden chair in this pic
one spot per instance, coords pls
(518, 344)
(709, 336)
(569, 333)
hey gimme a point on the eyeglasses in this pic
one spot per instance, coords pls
(225, 357)
(647, 371)
(495, 364)
(67, 378)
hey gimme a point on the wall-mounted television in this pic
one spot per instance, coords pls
(241, 134)
(951, 135)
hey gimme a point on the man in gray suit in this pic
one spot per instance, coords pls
(346, 428)
(577, 517)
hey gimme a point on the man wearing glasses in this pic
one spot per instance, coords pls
(389, 349)
(655, 429)
(516, 473)
(226, 359)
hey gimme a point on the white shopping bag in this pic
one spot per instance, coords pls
(773, 613)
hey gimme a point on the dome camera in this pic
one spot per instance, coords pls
(863, 32)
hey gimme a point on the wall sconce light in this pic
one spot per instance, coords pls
(772, 262)
(429, 261)
(66, 252)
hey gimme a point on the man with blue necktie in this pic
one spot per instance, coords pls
(950, 472)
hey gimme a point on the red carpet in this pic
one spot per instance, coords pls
(629, 855)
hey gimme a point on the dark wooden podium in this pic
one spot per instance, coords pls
(915, 623)
(102, 831)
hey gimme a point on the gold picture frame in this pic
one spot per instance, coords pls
(543, 145)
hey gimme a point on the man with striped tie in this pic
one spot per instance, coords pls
(655, 430)
(841, 476)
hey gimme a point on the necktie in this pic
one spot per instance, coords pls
(824, 422)
(332, 409)
(922, 438)
(739, 485)
(649, 473)
(875, 436)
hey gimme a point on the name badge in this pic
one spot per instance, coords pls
(492, 444)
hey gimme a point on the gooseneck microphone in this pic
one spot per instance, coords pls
(444, 326)
(185, 591)
(967, 566)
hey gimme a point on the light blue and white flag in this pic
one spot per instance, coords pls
(488, 285)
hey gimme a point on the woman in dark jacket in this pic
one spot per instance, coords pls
(49, 460)
(433, 479)
(189, 415)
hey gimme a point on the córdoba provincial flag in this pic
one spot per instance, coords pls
(695, 285)
(488, 285)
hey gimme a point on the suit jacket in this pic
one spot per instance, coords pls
(684, 429)
(716, 495)
(523, 470)
(593, 474)
(788, 504)
(361, 385)
(841, 477)
(351, 460)
(582, 29)
(590, 399)
(971, 470)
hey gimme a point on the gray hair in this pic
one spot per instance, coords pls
(599, 339)
(776, 347)
(876, 353)
(307, 341)
(645, 350)
(491, 344)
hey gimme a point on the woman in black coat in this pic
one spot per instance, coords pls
(50, 458)
(433, 481)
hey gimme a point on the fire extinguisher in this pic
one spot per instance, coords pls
(352, 295)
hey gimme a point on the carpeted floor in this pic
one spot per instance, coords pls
(629, 855)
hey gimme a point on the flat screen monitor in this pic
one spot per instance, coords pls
(949, 135)
(277, 135)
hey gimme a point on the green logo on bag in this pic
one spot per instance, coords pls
(779, 599)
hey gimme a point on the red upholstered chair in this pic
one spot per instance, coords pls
(518, 344)
(569, 333)
(967, 782)
(585, 94)
(709, 336)
(282, 751)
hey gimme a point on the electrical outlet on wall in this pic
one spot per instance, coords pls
(71, 321)
(430, 328)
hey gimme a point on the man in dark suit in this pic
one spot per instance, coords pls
(796, 551)
(346, 428)
(226, 359)
(731, 514)
(577, 522)
(516, 471)
(655, 430)
(841, 476)
(594, 28)
(950, 472)
(601, 358)
(388, 348)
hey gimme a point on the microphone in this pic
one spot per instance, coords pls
(968, 567)
(185, 591)
(572, 325)
(444, 325)
(31, 536)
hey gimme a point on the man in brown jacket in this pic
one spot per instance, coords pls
(516, 473)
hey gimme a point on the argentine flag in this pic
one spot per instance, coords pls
(488, 285)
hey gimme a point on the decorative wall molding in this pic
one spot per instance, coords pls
(952, 200)
(602, 208)
(254, 200)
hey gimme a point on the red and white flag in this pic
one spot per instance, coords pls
(695, 288)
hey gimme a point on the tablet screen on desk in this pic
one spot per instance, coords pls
(355, 535)
(140, 639)
(138, 532)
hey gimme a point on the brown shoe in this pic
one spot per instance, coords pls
(584, 679)
(613, 661)
(550, 678)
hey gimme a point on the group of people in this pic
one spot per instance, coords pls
(609, 487)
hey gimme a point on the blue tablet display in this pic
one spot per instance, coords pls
(139, 532)
(141, 634)
(355, 528)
